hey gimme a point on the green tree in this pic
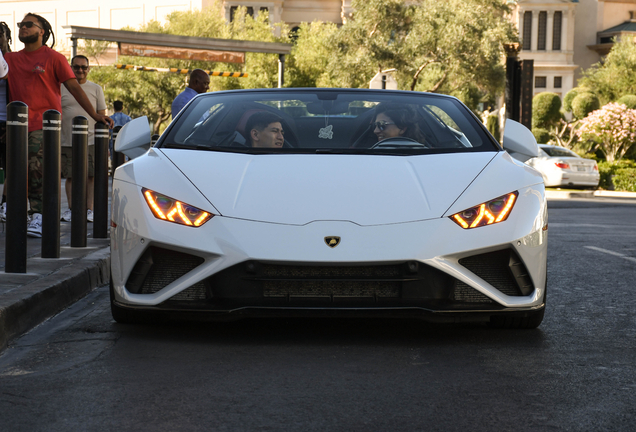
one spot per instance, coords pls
(307, 66)
(452, 46)
(628, 100)
(569, 97)
(152, 93)
(584, 103)
(546, 110)
(616, 75)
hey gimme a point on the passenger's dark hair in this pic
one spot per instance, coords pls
(6, 31)
(46, 26)
(82, 57)
(260, 121)
(404, 117)
(118, 105)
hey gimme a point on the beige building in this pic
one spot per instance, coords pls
(565, 37)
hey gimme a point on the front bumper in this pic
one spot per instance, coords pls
(232, 266)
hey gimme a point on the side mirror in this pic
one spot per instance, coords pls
(519, 141)
(133, 139)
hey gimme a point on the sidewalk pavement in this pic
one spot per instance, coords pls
(50, 284)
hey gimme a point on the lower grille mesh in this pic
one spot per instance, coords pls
(331, 281)
(496, 269)
(168, 266)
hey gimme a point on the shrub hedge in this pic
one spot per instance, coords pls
(620, 176)
(628, 100)
(584, 103)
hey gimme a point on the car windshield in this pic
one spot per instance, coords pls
(559, 152)
(327, 121)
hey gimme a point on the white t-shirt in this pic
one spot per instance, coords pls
(71, 109)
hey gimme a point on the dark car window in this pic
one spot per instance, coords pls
(332, 120)
(559, 152)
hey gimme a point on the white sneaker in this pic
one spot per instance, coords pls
(89, 215)
(3, 212)
(35, 226)
(66, 216)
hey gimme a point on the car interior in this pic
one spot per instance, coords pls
(314, 124)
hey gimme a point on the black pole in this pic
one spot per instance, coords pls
(118, 159)
(513, 78)
(384, 81)
(79, 175)
(100, 210)
(51, 126)
(281, 70)
(154, 139)
(16, 184)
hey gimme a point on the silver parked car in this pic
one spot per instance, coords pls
(561, 167)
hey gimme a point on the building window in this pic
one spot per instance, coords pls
(556, 31)
(540, 82)
(557, 82)
(527, 30)
(543, 20)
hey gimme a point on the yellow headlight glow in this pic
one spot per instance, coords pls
(172, 210)
(488, 213)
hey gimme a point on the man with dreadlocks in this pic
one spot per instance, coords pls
(35, 76)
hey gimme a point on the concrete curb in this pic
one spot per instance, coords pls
(25, 308)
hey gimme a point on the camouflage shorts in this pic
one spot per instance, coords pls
(67, 162)
(35, 157)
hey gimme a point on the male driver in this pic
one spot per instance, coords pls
(35, 75)
(265, 130)
(70, 110)
(199, 83)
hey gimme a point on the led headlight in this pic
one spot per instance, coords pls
(172, 210)
(488, 213)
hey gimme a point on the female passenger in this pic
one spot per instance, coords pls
(393, 120)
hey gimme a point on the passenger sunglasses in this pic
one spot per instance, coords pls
(27, 24)
(381, 125)
(78, 67)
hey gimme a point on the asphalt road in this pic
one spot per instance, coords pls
(577, 372)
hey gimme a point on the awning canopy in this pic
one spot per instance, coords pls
(183, 42)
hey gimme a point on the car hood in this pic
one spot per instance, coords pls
(299, 189)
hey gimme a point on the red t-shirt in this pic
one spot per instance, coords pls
(35, 78)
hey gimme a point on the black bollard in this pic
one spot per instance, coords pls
(118, 158)
(154, 139)
(51, 126)
(100, 208)
(79, 175)
(17, 178)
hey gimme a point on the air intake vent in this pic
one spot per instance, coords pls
(502, 269)
(159, 267)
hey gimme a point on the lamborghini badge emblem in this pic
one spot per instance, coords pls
(332, 241)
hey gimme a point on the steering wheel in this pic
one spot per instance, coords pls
(398, 142)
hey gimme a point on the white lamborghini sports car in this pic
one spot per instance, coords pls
(309, 202)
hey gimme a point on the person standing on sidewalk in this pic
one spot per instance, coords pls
(120, 119)
(5, 40)
(70, 109)
(118, 116)
(35, 75)
(199, 83)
